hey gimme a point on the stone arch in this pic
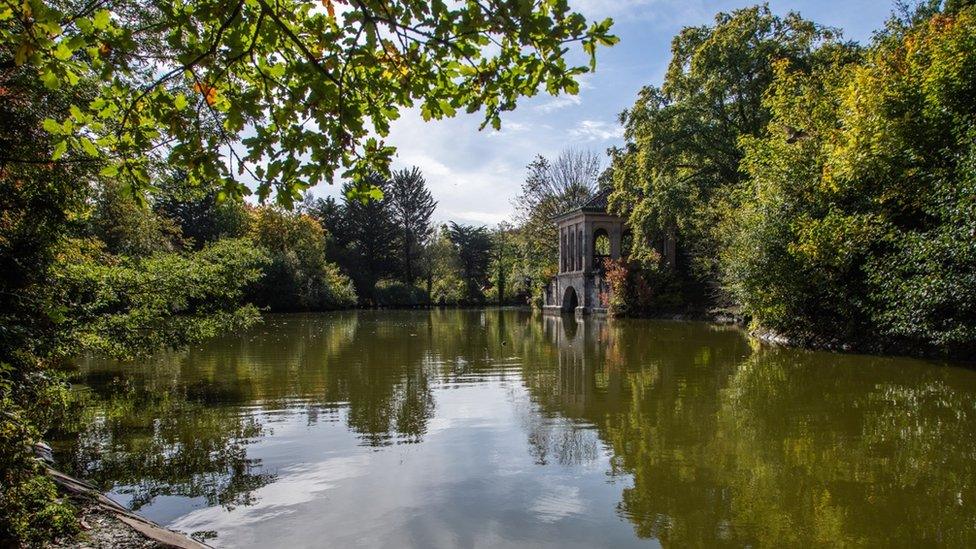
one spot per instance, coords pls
(570, 300)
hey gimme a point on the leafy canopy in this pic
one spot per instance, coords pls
(858, 217)
(286, 92)
(682, 146)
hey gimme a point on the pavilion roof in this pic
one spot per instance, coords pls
(596, 204)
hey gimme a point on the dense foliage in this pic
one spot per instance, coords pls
(392, 252)
(298, 278)
(682, 154)
(285, 91)
(825, 188)
(860, 215)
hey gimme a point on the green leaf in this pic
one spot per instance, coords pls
(62, 52)
(84, 24)
(101, 19)
(179, 102)
(52, 126)
(59, 150)
(277, 70)
(20, 57)
(89, 147)
(447, 108)
(111, 170)
(50, 80)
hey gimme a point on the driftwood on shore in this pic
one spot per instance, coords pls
(108, 524)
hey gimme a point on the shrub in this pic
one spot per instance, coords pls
(393, 293)
(168, 299)
(448, 290)
(31, 510)
(857, 224)
(639, 288)
(298, 276)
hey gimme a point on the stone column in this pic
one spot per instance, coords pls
(587, 246)
(562, 249)
(581, 247)
(616, 238)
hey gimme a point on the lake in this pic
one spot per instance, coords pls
(500, 428)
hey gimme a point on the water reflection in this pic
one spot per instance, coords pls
(497, 428)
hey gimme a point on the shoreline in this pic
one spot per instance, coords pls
(724, 317)
(105, 524)
(874, 347)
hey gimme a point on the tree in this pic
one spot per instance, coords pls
(412, 206)
(555, 186)
(367, 236)
(857, 219)
(299, 277)
(473, 246)
(682, 153)
(128, 227)
(179, 83)
(37, 201)
(198, 210)
(502, 263)
(441, 267)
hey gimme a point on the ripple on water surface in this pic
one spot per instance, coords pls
(500, 428)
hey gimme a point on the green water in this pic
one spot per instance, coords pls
(503, 429)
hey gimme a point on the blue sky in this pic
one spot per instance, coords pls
(475, 175)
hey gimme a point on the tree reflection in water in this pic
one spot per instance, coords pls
(719, 441)
(730, 443)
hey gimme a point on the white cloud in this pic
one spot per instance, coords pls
(509, 128)
(596, 130)
(430, 166)
(560, 102)
(479, 218)
(557, 503)
(295, 486)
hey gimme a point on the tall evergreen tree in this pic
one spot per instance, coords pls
(330, 213)
(412, 206)
(473, 245)
(368, 236)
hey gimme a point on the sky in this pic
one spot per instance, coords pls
(475, 175)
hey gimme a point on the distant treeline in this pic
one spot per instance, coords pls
(378, 249)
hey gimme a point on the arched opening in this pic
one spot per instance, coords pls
(570, 301)
(601, 249)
